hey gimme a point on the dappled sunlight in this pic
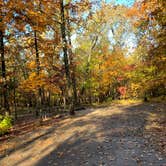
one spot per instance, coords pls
(90, 130)
(70, 129)
(82, 82)
(128, 102)
(153, 121)
(153, 125)
(105, 112)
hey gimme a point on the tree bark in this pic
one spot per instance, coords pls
(15, 105)
(37, 53)
(73, 78)
(37, 72)
(88, 71)
(66, 58)
(3, 71)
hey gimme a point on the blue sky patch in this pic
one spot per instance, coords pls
(127, 3)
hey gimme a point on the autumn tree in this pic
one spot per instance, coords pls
(149, 21)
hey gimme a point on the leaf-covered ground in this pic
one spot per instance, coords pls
(130, 134)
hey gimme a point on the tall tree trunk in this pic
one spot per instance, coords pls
(15, 105)
(74, 85)
(88, 71)
(37, 72)
(88, 79)
(66, 58)
(73, 78)
(3, 70)
(37, 53)
(14, 92)
(49, 100)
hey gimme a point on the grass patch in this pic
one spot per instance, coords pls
(5, 124)
(127, 101)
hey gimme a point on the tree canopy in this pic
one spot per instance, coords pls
(66, 53)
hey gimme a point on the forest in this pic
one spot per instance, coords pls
(60, 56)
(64, 54)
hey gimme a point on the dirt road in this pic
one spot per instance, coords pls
(118, 135)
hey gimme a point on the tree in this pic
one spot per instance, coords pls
(6, 16)
(150, 22)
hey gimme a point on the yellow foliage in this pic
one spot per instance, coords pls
(34, 82)
(31, 65)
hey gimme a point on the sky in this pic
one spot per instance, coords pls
(129, 40)
(127, 3)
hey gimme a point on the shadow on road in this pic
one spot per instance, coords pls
(104, 136)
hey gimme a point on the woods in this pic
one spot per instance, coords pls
(64, 54)
(82, 82)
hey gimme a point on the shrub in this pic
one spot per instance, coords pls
(5, 124)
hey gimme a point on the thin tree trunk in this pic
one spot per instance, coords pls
(72, 64)
(15, 106)
(88, 79)
(49, 100)
(66, 58)
(38, 72)
(37, 53)
(64, 103)
(3, 70)
(88, 71)
(14, 93)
